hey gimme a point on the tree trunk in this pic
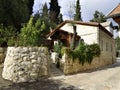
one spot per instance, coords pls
(73, 43)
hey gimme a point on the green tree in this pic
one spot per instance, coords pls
(30, 6)
(45, 11)
(6, 34)
(43, 16)
(99, 17)
(77, 11)
(117, 41)
(33, 34)
(54, 11)
(60, 18)
(15, 12)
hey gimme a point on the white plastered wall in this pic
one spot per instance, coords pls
(88, 33)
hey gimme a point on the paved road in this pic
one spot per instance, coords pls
(106, 78)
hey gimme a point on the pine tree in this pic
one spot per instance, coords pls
(43, 15)
(34, 33)
(77, 11)
(99, 17)
(54, 11)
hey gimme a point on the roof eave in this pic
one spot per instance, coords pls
(113, 16)
(104, 30)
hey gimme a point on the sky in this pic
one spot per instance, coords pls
(88, 7)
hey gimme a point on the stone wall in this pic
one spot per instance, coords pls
(25, 64)
(2, 54)
(107, 45)
(69, 66)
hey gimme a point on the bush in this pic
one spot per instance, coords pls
(32, 34)
(84, 52)
(58, 47)
(6, 33)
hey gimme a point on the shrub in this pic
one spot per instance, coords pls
(58, 47)
(32, 34)
(84, 52)
(6, 33)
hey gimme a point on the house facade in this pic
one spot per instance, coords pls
(115, 15)
(91, 33)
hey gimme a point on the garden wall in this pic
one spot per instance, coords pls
(69, 66)
(25, 64)
(2, 54)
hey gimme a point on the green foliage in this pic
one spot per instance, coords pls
(15, 12)
(80, 53)
(58, 47)
(54, 11)
(60, 18)
(117, 41)
(77, 12)
(84, 53)
(32, 34)
(44, 17)
(92, 51)
(65, 50)
(99, 17)
(45, 11)
(6, 33)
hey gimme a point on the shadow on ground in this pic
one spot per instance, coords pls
(42, 84)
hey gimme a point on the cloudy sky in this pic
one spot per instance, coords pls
(88, 7)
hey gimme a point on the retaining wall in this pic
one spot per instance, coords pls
(69, 66)
(25, 64)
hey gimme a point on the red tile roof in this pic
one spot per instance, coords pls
(115, 11)
(80, 23)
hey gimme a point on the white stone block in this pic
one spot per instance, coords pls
(33, 61)
(24, 69)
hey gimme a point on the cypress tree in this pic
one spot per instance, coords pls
(77, 11)
(54, 11)
(45, 11)
(60, 18)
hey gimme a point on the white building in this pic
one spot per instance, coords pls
(90, 32)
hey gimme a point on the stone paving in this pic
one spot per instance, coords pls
(106, 78)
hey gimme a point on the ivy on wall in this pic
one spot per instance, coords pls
(84, 53)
